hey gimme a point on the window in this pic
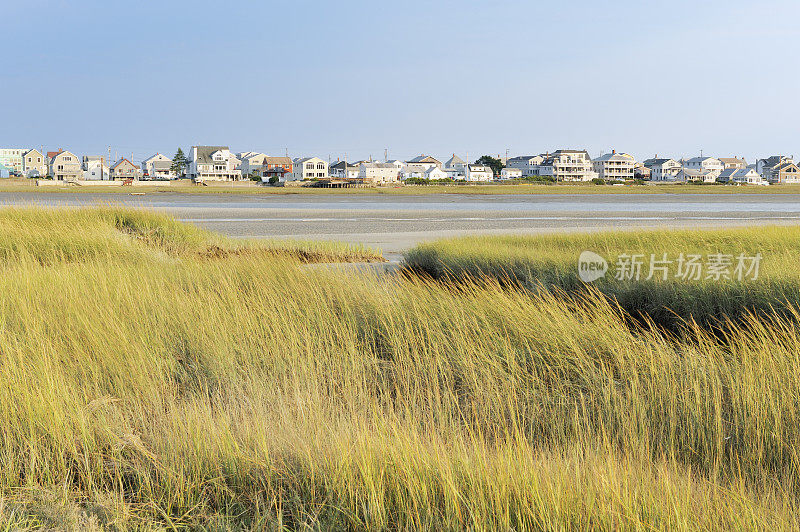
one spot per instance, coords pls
(309, 166)
(320, 166)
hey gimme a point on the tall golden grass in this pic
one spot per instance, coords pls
(245, 391)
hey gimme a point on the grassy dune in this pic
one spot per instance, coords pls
(143, 388)
(550, 262)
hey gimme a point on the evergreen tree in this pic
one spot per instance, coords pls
(178, 163)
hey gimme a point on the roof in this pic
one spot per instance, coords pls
(301, 160)
(559, 152)
(700, 159)
(455, 159)
(52, 154)
(277, 160)
(773, 160)
(121, 161)
(524, 158)
(478, 168)
(340, 164)
(657, 162)
(155, 156)
(733, 172)
(733, 160)
(424, 159)
(204, 153)
(381, 165)
(615, 157)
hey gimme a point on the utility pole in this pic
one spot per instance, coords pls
(386, 155)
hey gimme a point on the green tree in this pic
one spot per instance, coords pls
(495, 164)
(178, 163)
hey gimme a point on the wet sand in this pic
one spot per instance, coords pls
(396, 223)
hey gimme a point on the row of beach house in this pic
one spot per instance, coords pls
(218, 163)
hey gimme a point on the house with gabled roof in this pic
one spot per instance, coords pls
(706, 164)
(158, 166)
(34, 164)
(662, 169)
(124, 169)
(422, 163)
(305, 168)
(343, 170)
(733, 162)
(212, 163)
(528, 164)
(63, 166)
(478, 172)
(743, 176)
(614, 166)
(455, 167)
(568, 165)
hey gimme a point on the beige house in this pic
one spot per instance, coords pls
(378, 172)
(733, 163)
(63, 166)
(251, 163)
(124, 169)
(34, 164)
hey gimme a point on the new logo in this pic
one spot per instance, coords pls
(591, 266)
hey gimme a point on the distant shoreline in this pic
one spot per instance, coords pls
(20, 185)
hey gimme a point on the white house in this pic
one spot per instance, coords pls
(696, 174)
(745, 176)
(337, 170)
(212, 163)
(251, 162)
(158, 166)
(378, 172)
(510, 173)
(435, 172)
(614, 166)
(478, 172)
(706, 164)
(422, 163)
(96, 170)
(527, 164)
(309, 168)
(568, 165)
(455, 167)
(663, 169)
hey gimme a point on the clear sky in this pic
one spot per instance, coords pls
(472, 77)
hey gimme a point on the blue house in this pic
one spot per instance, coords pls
(5, 173)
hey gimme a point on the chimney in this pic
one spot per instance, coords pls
(613, 152)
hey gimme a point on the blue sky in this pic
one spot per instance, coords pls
(471, 77)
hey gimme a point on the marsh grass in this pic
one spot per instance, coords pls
(248, 393)
(550, 263)
(55, 236)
